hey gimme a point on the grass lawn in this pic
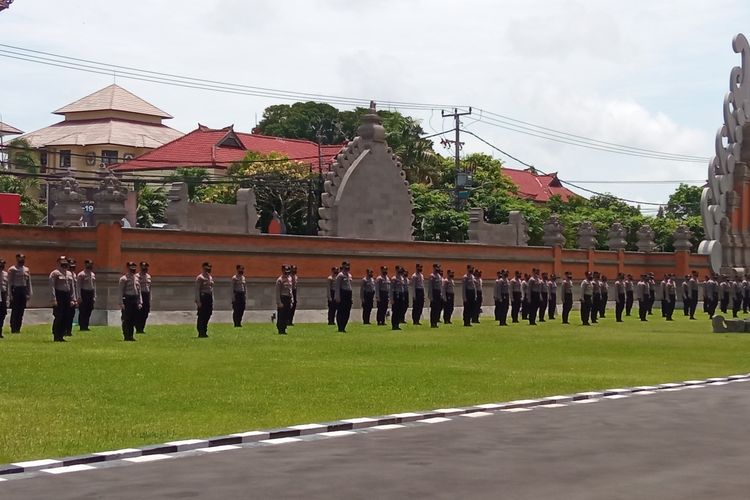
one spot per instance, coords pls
(97, 393)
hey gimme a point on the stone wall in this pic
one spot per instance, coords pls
(184, 215)
(515, 233)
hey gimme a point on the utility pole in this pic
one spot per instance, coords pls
(462, 179)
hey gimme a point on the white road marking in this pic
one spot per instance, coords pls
(147, 458)
(434, 420)
(477, 414)
(215, 449)
(68, 468)
(281, 440)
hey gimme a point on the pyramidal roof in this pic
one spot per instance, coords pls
(113, 98)
(6, 129)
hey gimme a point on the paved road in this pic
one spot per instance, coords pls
(691, 444)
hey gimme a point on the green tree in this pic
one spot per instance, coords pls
(32, 210)
(152, 206)
(21, 156)
(303, 120)
(684, 202)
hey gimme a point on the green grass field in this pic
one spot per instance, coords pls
(97, 393)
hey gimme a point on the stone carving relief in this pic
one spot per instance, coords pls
(727, 242)
(110, 200)
(67, 197)
(553, 232)
(366, 193)
(682, 236)
(616, 237)
(515, 233)
(586, 235)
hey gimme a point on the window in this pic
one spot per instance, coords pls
(65, 158)
(43, 162)
(109, 157)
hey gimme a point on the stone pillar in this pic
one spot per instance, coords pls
(177, 209)
(616, 237)
(646, 241)
(553, 232)
(67, 210)
(110, 201)
(682, 248)
(586, 235)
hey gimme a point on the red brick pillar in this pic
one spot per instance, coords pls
(109, 247)
(621, 260)
(590, 257)
(557, 252)
(682, 262)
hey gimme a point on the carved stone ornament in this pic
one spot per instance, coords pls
(725, 239)
(553, 232)
(646, 241)
(66, 211)
(586, 235)
(682, 237)
(616, 237)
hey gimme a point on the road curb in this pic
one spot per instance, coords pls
(347, 425)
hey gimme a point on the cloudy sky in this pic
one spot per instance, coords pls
(650, 75)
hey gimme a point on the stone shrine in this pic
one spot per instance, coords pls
(185, 215)
(616, 237)
(515, 233)
(645, 241)
(553, 232)
(586, 235)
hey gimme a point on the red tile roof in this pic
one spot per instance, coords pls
(207, 148)
(538, 187)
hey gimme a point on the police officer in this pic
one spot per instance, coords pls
(144, 278)
(619, 297)
(651, 282)
(19, 281)
(331, 295)
(552, 285)
(670, 289)
(711, 295)
(86, 282)
(587, 299)
(405, 284)
(343, 297)
(480, 297)
(435, 295)
(604, 290)
(449, 290)
(239, 295)
(61, 289)
(693, 293)
(525, 297)
(367, 295)
(417, 305)
(503, 292)
(629, 294)
(685, 288)
(517, 296)
(567, 292)
(3, 295)
(544, 296)
(642, 292)
(130, 301)
(383, 286)
(204, 299)
(284, 299)
(293, 275)
(469, 288)
(596, 297)
(724, 292)
(396, 298)
(737, 293)
(76, 296)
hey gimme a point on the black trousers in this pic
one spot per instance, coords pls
(567, 306)
(142, 317)
(651, 300)
(448, 306)
(283, 314)
(3, 309)
(619, 307)
(69, 320)
(745, 302)
(205, 311)
(552, 306)
(61, 313)
(470, 303)
(417, 306)
(497, 309)
(603, 304)
(736, 305)
(693, 303)
(129, 315)
(643, 308)
(515, 307)
(332, 307)
(534, 307)
(85, 309)
(293, 310)
(628, 302)
(711, 304)
(671, 302)
(723, 304)
(525, 308)
(543, 304)
(436, 306)
(686, 305)
(398, 302)
(404, 307)
(503, 312)
(367, 302)
(382, 307)
(17, 308)
(344, 309)
(586, 306)
(596, 300)
(238, 308)
(477, 311)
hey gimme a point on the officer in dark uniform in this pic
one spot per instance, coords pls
(19, 281)
(204, 299)
(144, 278)
(629, 294)
(293, 275)
(284, 299)
(62, 298)
(130, 301)
(75, 299)
(477, 311)
(383, 287)
(239, 295)
(469, 288)
(567, 292)
(449, 290)
(587, 301)
(517, 296)
(367, 295)
(343, 297)
(435, 295)
(331, 295)
(86, 282)
(397, 298)
(418, 305)
(3, 295)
